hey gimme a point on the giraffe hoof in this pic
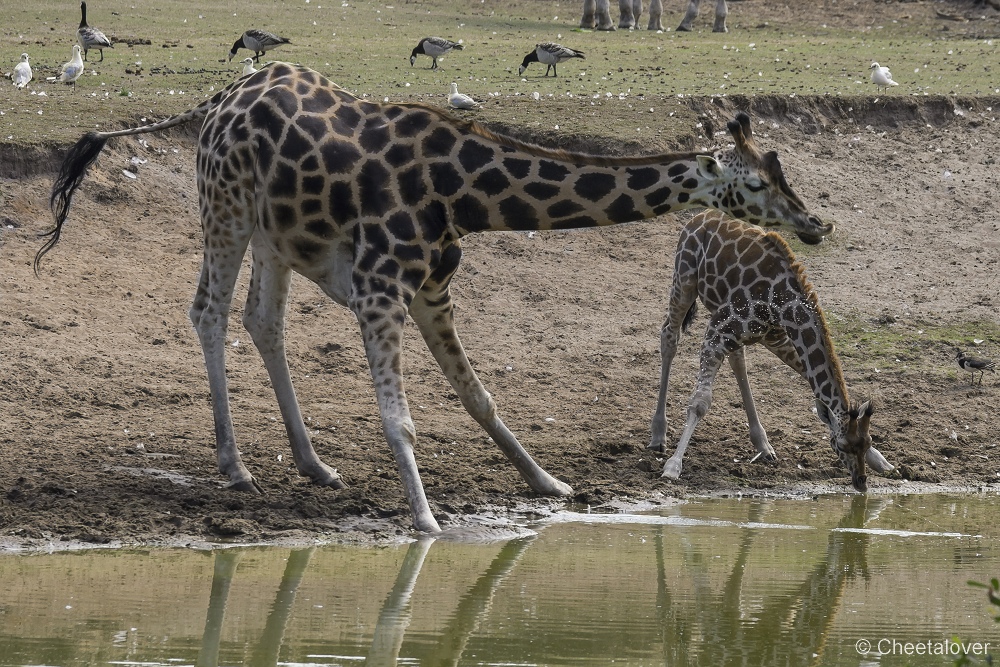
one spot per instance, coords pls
(246, 486)
(334, 482)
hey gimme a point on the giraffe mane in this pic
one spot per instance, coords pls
(781, 246)
(480, 130)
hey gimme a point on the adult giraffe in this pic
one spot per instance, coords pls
(597, 14)
(370, 201)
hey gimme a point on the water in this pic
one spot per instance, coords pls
(712, 582)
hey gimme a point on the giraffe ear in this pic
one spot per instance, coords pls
(823, 413)
(709, 165)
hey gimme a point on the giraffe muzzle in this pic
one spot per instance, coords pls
(822, 231)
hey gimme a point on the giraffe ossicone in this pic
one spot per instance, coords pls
(756, 292)
(370, 202)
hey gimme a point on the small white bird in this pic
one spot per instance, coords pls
(89, 37)
(258, 41)
(22, 72)
(72, 70)
(459, 100)
(551, 54)
(881, 77)
(248, 67)
(435, 47)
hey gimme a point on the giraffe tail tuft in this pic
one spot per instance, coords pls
(71, 175)
(689, 317)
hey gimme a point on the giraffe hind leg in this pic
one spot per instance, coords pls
(681, 302)
(210, 316)
(758, 436)
(437, 326)
(264, 319)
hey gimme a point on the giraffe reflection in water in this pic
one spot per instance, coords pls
(393, 620)
(787, 629)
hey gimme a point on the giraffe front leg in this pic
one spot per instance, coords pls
(758, 436)
(628, 13)
(381, 319)
(604, 15)
(589, 18)
(210, 316)
(669, 337)
(434, 317)
(721, 12)
(698, 406)
(264, 319)
(655, 15)
(692, 13)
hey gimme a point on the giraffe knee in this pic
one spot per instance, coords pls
(700, 402)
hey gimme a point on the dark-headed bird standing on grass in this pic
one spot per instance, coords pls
(975, 365)
(90, 37)
(435, 47)
(258, 41)
(551, 54)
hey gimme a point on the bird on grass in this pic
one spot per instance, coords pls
(72, 70)
(974, 365)
(248, 67)
(22, 72)
(551, 54)
(881, 77)
(90, 37)
(435, 47)
(258, 41)
(459, 100)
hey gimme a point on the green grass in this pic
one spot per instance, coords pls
(364, 46)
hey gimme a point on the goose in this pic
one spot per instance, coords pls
(551, 54)
(248, 67)
(881, 77)
(435, 47)
(89, 37)
(459, 100)
(258, 41)
(72, 70)
(975, 365)
(22, 72)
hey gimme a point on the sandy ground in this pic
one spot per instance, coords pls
(106, 427)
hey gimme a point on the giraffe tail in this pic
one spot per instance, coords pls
(85, 153)
(71, 174)
(689, 317)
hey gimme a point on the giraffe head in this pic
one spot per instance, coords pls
(850, 439)
(750, 185)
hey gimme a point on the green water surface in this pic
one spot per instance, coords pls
(710, 582)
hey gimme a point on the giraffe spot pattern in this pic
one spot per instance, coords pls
(594, 186)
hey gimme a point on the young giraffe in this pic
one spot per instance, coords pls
(757, 293)
(370, 201)
(597, 14)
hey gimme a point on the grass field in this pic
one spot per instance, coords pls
(171, 54)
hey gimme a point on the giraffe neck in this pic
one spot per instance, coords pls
(806, 326)
(508, 188)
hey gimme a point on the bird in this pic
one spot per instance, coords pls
(435, 47)
(72, 70)
(248, 67)
(881, 76)
(459, 100)
(974, 364)
(258, 41)
(22, 72)
(90, 37)
(551, 54)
